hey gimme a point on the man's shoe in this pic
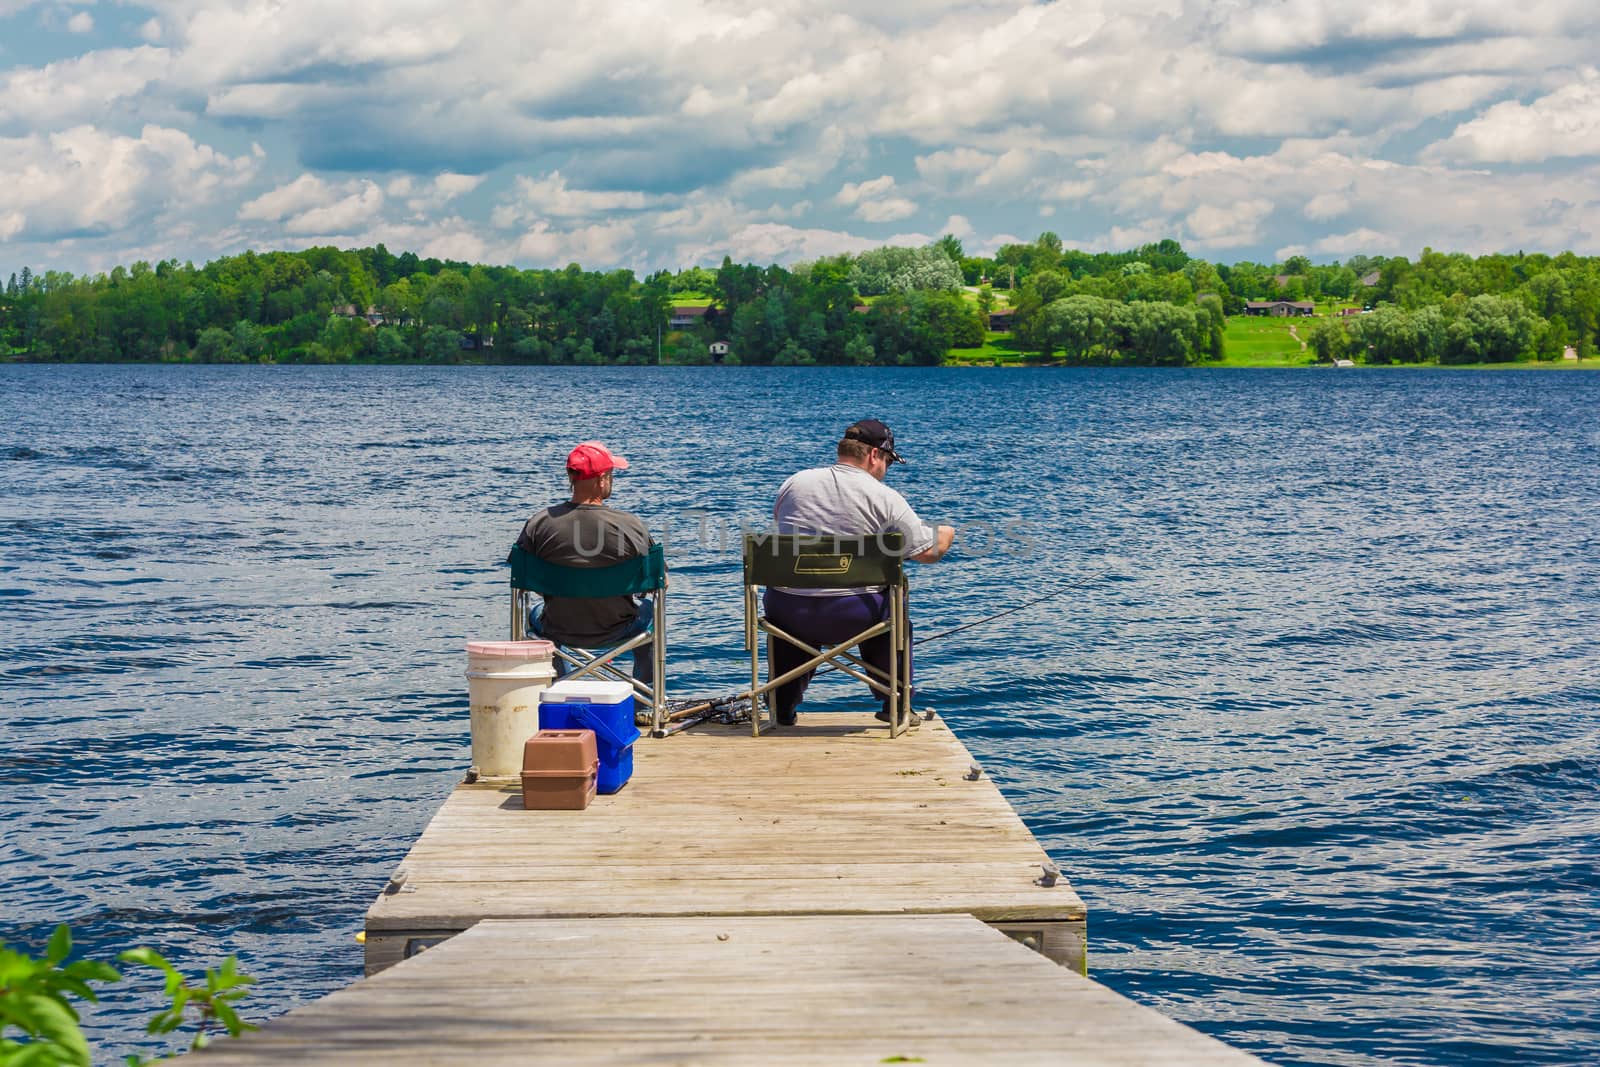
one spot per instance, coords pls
(912, 720)
(786, 718)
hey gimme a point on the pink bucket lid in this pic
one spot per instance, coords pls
(517, 649)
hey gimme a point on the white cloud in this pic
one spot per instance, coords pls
(304, 193)
(86, 180)
(309, 205)
(875, 200)
(1564, 123)
(1327, 205)
(959, 227)
(854, 193)
(890, 209)
(550, 196)
(768, 242)
(954, 169)
(81, 89)
(82, 22)
(1356, 242)
(658, 132)
(1227, 225)
(442, 190)
(594, 245)
(762, 178)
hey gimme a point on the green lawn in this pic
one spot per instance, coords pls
(999, 350)
(1264, 341)
(1253, 341)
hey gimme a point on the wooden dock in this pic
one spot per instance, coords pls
(832, 817)
(934, 989)
(821, 895)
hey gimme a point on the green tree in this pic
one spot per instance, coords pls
(440, 344)
(1082, 326)
(904, 270)
(249, 342)
(214, 346)
(858, 350)
(1328, 339)
(1214, 326)
(1027, 324)
(1491, 329)
(1157, 333)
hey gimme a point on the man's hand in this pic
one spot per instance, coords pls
(944, 537)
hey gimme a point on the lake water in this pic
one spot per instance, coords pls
(1318, 740)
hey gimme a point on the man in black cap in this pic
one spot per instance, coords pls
(845, 499)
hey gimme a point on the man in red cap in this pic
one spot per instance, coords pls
(584, 532)
(844, 499)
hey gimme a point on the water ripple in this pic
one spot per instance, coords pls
(1315, 730)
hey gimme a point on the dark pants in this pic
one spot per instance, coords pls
(644, 660)
(823, 621)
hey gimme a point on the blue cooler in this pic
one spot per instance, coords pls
(604, 707)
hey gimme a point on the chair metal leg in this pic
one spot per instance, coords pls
(894, 686)
(756, 696)
(905, 648)
(891, 699)
(519, 616)
(905, 643)
(658, 651)
(834, 657)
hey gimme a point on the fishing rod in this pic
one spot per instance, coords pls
(729, 704)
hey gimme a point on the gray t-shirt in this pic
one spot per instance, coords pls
(585, 535)
(842, 500)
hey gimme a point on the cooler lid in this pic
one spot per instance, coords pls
(586, 691)
(512, 649)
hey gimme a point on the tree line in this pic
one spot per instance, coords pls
(887, 306)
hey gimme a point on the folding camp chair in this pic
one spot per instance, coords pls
(646, 574)
(800, 561)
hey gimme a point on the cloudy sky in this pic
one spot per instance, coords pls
(669, 133)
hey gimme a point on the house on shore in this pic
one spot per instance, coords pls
(1000, 321)
(688, 316)
(373, 316)
(1280, 308)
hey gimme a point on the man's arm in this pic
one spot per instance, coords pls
(943, 538)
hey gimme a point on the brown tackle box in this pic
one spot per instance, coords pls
(559, 770)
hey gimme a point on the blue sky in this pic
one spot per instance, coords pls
(666, 134)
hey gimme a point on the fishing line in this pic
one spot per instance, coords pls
(729, 706)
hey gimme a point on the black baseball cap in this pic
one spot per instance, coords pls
(874, 433)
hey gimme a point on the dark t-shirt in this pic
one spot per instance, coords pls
(585, 535)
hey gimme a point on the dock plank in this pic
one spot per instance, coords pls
(938, 989)
(831, 818)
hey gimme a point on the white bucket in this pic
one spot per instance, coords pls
(504, 680)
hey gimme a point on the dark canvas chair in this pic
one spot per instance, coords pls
(799, 561)
(642, 575)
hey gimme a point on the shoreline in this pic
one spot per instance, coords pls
(1527, 365)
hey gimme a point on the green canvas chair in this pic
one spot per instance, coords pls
(799, 561)
(642, 575)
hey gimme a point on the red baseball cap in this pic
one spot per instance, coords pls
(591, 459)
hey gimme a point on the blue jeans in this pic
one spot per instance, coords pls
(644, 660)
